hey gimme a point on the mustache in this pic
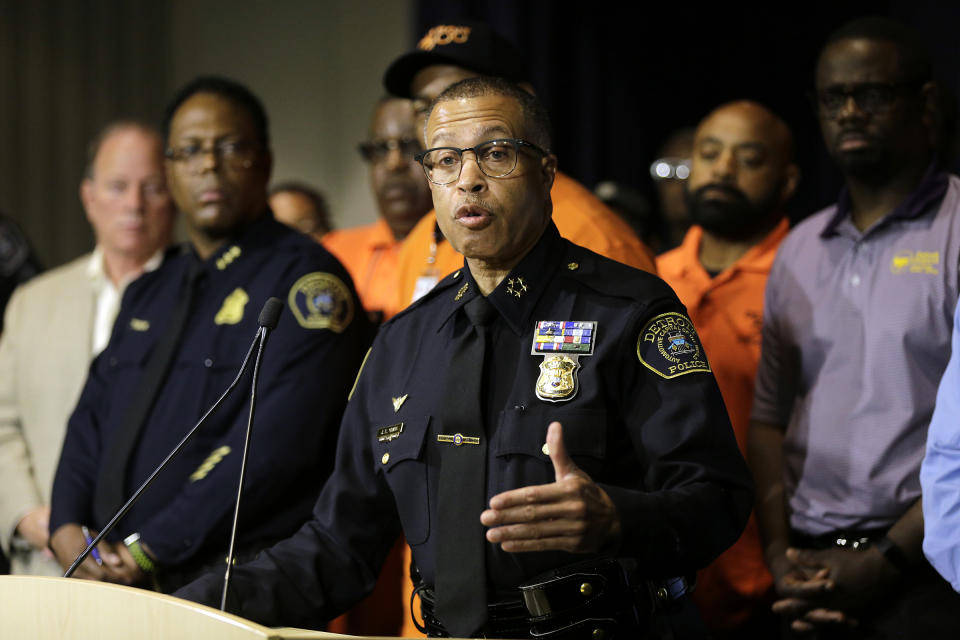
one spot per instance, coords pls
(698, 193)
(477, 201)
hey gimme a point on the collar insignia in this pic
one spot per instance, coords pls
(516, 286)
(462, 291)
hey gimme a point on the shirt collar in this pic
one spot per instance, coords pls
(758, 258)
(264, 231)
(931, 188)
(517, 295)
(97, 273)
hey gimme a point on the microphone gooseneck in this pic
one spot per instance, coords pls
(268, 320)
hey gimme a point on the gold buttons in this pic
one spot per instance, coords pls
(385, 459)
(573, 266)
(456, 275)
(598, 634)
(545, 448)
(663, 594)
(586, 589)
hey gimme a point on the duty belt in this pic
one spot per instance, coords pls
(602, 599)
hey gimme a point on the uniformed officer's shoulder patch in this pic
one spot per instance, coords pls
(669, 346)
(321, 300)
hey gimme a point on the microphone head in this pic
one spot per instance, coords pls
(270, 313)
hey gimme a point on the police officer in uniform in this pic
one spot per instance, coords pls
(543, 426)
(178, 341)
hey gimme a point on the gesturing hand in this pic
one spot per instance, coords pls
(571, 514)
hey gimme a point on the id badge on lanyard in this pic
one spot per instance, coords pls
(430, 276)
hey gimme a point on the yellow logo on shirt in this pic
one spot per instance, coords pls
(232, 310)
(915, 262)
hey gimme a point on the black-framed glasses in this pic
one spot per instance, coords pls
(237, 154)
(377, 150)
(496, 159)
(870, 97)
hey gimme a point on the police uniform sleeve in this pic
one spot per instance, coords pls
(940, 473)
(306, 372)
(695, 493)
(334, 559)
(18, 490)
(73, 484)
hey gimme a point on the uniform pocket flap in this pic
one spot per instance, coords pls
(399, 441)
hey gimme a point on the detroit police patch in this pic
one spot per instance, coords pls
(669, 346)
(321, 301)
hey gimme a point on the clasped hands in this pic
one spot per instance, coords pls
(117, 564)
(570, 514)
(825, 588)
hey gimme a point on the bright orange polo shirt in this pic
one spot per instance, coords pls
(579, 215)
(727, 311)
(369, 254)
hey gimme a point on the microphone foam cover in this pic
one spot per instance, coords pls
(270, 313)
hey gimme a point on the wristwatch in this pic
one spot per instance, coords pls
(132, 542)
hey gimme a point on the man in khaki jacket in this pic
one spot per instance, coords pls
(56, 323)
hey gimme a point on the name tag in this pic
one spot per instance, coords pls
(386, 434)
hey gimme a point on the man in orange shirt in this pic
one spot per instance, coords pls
(741, 174)
(370, 252)
(448, 54)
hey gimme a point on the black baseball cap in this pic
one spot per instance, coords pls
(471, 45)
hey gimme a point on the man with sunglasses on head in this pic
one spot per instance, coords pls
(370, 252)
(856, 332)
(178, 342)
(542, 426)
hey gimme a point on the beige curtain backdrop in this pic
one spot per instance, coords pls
(69, 66)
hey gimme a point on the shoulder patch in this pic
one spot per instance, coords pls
(669, 346)
(320, 300)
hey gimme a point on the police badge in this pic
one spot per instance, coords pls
(558, 371)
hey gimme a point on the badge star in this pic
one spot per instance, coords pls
(398, 402)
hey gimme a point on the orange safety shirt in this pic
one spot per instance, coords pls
(578, 214)
(727, 311)
(370, 255)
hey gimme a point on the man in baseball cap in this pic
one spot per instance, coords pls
(448, 54)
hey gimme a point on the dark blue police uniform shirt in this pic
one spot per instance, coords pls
(309, 363)
(658, 441)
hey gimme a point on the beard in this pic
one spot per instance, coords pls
(735, 218)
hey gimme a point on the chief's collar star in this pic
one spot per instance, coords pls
(516, 286)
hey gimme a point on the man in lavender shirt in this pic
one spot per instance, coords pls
(856, 332)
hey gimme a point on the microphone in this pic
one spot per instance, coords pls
(267, 320)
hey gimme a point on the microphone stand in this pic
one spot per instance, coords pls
(264, 333)
(270, 312)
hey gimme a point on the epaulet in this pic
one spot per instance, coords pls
(445, 284)
(613, 278)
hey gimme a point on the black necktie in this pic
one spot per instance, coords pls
(461, 546)
(112, 475)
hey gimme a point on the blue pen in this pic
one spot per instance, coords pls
(93, 552)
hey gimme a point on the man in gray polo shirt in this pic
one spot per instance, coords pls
(856, 332)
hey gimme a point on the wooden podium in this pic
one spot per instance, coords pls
(60, 608)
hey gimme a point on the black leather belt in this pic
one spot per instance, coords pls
(601, 599)
(854, 539)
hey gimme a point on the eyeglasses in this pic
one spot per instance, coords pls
(670, 169)
(870, 97)
(377, 150)
(496, 159)
(236, 154)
